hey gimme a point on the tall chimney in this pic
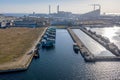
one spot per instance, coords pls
(58, 9)
(33, 13)
(100, 7)
(94, 7)
(49, 9)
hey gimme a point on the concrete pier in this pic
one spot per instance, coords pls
(91, 47)
(88, 56)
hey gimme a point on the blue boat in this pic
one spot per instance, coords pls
(48, 43)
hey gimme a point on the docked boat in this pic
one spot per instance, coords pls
(76, 47)
(45, 37)
(48, 42)
(52, 33)
(43, 42)
(49, 38)
(36, 55)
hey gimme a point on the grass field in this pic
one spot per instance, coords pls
(15, 42)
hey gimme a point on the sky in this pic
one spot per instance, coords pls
(41, 6)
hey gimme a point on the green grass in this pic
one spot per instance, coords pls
(15, 42)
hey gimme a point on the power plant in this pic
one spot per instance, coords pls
(96, 5)
(56, 11)
(60, 17)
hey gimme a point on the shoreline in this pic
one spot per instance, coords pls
(25, 60)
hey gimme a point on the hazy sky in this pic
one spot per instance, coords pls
(41, 6)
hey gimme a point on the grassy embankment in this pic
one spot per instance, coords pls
(15, 42)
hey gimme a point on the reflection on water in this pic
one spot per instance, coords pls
(93, 46)
(113, 33)
(61, 63)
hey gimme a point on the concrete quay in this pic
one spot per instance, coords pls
(86, 53)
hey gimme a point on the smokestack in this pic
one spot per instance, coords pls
(49, 9)
(100, 7)
(33, 13)
(94, 7)
(58, 9)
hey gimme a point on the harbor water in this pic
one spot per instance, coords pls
(113, 33)
(93, 46)
(61, 63)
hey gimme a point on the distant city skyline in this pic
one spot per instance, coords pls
(42, 6)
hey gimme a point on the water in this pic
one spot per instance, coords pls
(61, 63)
(16, 14)
(113, 33)
(93, 46)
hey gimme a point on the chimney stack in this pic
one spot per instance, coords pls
(49, 9)
(58, 9)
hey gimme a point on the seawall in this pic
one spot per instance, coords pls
(87, 55)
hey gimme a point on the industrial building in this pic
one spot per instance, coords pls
(25, 24)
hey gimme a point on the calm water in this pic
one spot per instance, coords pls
(61, 63)
(16, 14)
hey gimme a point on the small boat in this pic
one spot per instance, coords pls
(76, 47)
(36, 55)
(43, 42)
(48, 39)
(48, 43)
(52, 36)
(45, 37)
